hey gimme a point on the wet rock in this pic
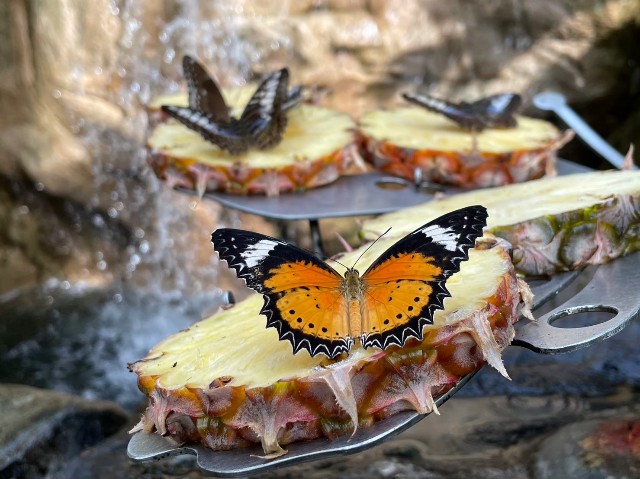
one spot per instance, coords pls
(596, 449)
(109, 460)
(42, 429)
(486, 438)
(81, 343)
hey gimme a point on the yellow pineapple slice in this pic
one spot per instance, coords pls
(554, 224)
(402, 140)
(228, 381)
(317, 147)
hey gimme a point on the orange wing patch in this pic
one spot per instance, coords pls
(405, 266)
(298, 274)
(315, 312)
(392, 305)
(397, 298)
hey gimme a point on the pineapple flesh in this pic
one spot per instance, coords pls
(402, 140)
(554, 224)
(229, 382)
(317, 147)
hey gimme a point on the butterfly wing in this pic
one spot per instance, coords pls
(204, 94)
(459, 113)
(221, 135)
(294, 96)
(497, 111)
(303, 300)
(264, 118)
(406, 284)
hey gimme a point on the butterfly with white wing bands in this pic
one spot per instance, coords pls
(261, 124)
(496, 111)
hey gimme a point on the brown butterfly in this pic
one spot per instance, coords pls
(496, 111)
(261, 124)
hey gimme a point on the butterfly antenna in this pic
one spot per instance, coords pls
(369, 247)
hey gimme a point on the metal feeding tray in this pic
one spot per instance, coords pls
(612, 288)
(355, 195)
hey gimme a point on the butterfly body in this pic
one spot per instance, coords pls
(353, 290)
(496, 111)
(318, 309)
(261, 124)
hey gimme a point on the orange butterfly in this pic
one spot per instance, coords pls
(315, 308)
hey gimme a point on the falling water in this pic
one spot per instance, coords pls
(78, 335)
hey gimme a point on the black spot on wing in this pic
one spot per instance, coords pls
(412, 328)
(298, 339)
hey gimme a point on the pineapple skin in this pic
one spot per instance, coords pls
(579, 219)
(354, 392)
(574, 239)
(237, 178)
(478, 170)
(468, 170)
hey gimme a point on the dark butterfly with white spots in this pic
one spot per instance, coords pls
(316, 308)
(261, 124)
(496, 111)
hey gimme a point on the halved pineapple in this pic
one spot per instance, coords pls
(317, 146)
(402, 140)
(228, 381)
(554, 224)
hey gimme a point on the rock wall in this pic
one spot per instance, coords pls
(75, 76)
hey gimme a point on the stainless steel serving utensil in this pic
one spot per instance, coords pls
(557, 103)
(613, 288)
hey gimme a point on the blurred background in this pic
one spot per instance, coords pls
(99, 261)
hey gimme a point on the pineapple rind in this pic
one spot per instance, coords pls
(228, 391)
(554, 224)
(401, 140)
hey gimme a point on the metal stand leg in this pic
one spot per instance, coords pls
(285, 231)
(316, 238)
